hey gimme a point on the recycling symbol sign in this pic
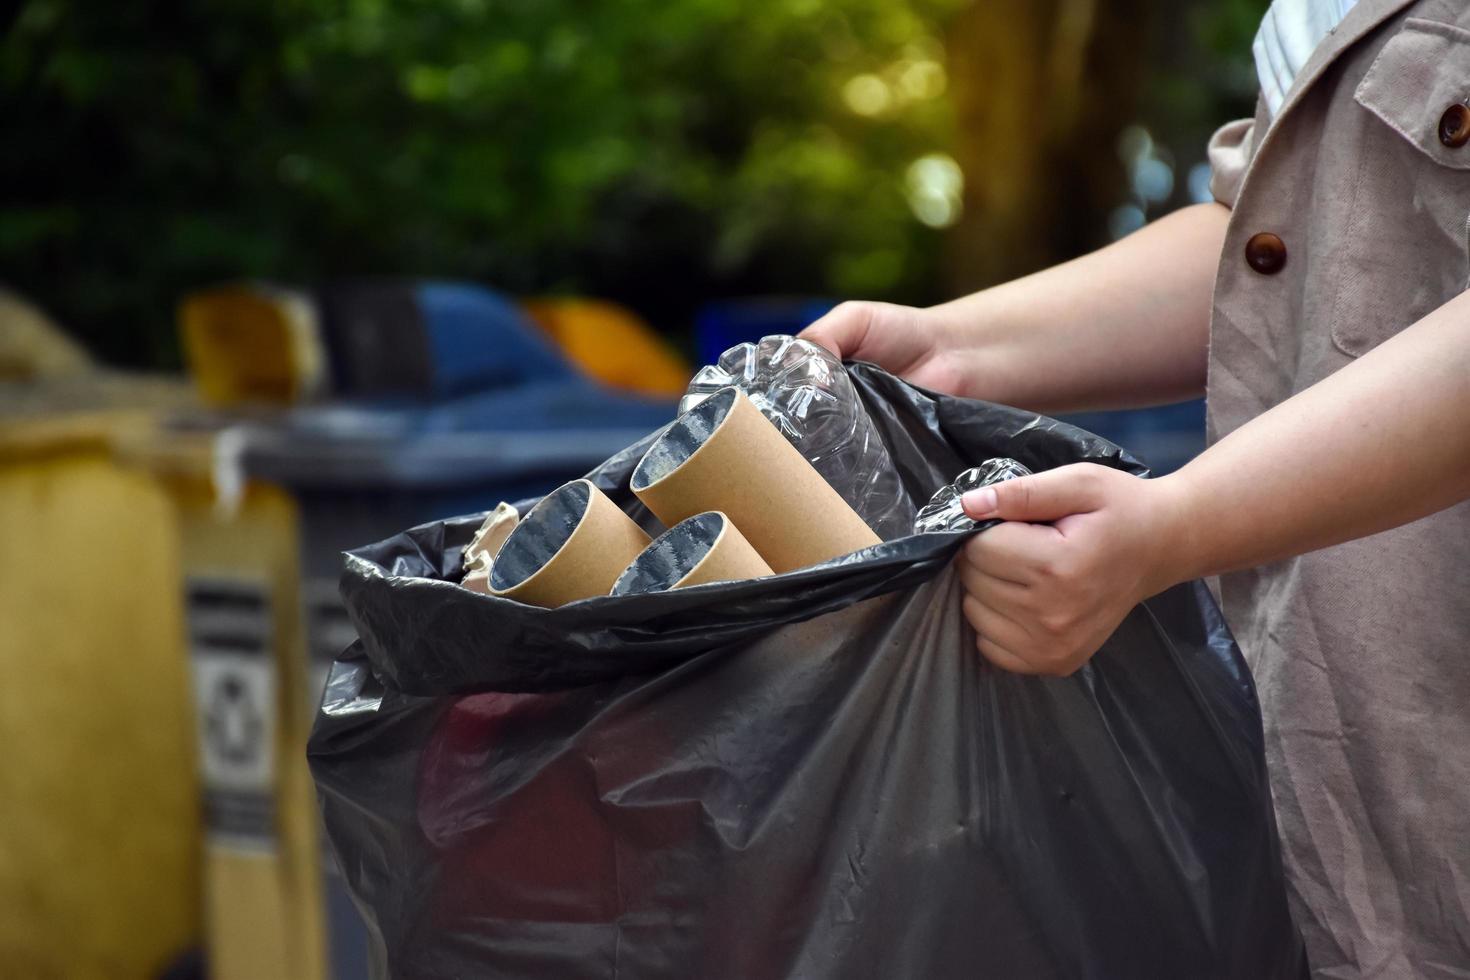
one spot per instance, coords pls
(231, 649)
(234, 723)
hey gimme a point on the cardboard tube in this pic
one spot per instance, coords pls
(724, 455)
(705, 548)
(572, 545)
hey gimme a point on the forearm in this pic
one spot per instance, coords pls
(1125, 326)
(1382, 442)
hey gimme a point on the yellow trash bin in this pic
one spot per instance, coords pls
(263, 902)
(252, 342)
(99, 828)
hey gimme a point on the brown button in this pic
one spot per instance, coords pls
(1266, 253)
(1454, 125)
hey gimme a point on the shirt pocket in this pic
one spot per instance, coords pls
(1421, 73)
(1421, 190)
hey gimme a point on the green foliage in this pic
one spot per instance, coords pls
(1224, 31)
(656, 151)
(1200, 74)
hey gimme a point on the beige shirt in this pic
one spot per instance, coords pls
(1361, 652)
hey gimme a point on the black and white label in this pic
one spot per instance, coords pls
(328, 633)
(235, 706)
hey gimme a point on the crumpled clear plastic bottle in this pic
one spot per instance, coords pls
(805, 391)
(943, 511)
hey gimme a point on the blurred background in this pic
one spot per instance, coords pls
(278, 279)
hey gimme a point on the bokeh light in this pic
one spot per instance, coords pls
(936, 187)
(867, 95)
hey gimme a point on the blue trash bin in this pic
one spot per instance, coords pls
(1165, 437)
(721, 325)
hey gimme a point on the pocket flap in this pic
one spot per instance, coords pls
(1422, 71)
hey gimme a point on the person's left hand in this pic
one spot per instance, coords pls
(1042, 597)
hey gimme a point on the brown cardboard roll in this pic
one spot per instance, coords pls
(705, 548)
(572, 545)
(724, 455)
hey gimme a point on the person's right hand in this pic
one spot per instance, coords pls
(913, 343)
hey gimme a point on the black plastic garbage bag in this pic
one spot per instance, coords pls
(813, 775)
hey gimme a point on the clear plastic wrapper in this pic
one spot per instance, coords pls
(806, 392)
(943, 511)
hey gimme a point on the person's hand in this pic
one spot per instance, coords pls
(915, 344)
(1043, 597)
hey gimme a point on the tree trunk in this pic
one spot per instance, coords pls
(1042, 89)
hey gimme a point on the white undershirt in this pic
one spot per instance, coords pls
(1290, 32)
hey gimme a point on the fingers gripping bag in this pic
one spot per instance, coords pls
(812, 774)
